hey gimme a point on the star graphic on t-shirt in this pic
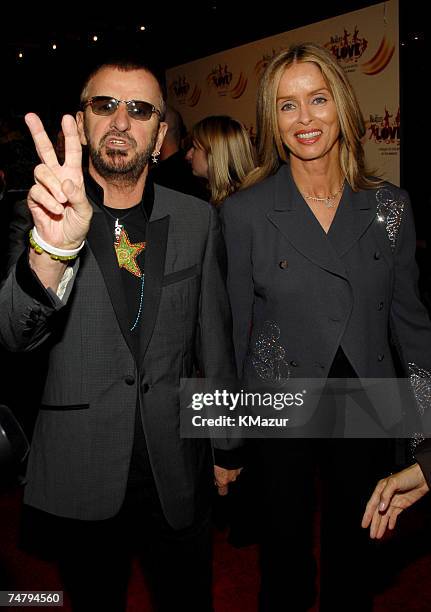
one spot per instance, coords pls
(127, 253)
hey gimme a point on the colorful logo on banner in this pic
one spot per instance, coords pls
(380, 59)
(384, 128)
(222, 80)
(182, 91)
(347, 48)
(260, 66)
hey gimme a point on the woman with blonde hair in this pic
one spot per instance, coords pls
(322, 284)
(221, 153)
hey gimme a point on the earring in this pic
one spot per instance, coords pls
(155, 157)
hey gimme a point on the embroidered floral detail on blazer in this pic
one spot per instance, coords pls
(420, 381)
(268, 355)
(389, 212)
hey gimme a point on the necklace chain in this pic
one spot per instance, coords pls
(119, 226)
(328, 200)
(118, 229)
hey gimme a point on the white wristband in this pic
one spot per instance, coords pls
(54, 250)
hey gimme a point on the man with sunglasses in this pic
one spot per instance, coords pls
(124, 282)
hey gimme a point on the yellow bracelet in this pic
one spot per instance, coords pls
(39, 250)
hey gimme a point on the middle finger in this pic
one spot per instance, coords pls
(44, 176)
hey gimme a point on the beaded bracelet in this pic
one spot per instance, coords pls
(40, 246)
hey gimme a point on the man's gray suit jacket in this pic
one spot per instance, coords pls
(83, 437)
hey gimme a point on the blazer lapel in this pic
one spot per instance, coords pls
(296, 222)
(98, 238)
(157, 239)
(356, 212)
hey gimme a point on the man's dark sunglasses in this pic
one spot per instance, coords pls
(105, 105)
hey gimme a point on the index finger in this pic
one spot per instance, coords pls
(72, 143)
(43, 145)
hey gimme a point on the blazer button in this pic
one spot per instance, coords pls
(377, 255)
(380, 306)
(294, 364)
(129, 380)
(145, 388)
(380, 357)
(284, 264)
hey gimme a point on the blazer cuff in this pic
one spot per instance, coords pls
(229, 459)
(30, 284)
(423, 457)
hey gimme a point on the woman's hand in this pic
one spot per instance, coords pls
(391, 496)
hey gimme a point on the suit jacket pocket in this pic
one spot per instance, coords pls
(65, 408)
(174, 277)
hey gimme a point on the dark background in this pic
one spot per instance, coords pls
(48, 82)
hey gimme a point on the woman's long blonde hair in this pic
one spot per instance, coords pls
(271, 151)
(229, 152)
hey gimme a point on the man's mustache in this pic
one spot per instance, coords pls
(118, 135)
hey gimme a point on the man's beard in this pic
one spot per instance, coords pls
(115, 166)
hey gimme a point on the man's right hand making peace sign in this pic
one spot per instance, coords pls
(57, 201)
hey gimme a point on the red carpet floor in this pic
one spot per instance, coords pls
(235, 570)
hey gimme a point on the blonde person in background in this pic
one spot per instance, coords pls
(222, 153)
